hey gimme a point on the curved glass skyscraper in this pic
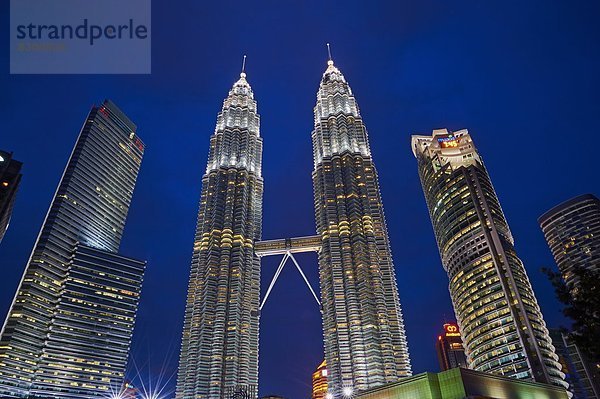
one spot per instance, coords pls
(572, 231)
(501, 323)
(365, 342)
(219, 353)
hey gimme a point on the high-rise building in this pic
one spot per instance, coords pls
(582, 374)
(450, 349)
(365, 341)
(219, 351)
(10, 177)
(572, 231)
(501, 323)
(319, 381)
(68, 330)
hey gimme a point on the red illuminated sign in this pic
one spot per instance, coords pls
(451, 330)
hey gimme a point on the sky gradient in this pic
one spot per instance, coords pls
(523, 78)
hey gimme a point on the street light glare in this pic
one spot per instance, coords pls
(347, 391)
(328, 395)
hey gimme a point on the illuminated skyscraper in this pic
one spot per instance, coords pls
(572, 230)
(365, 342)
(319, 381)
(450, 349)
(219, 352)
(501, 324)
(68, 331)
(10, 177)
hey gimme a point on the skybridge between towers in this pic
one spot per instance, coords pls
(288, 247)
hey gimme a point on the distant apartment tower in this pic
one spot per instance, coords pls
(582, 375)
(69, 328)
(572, 231)
(319, 381)
(501, 324)
(10, 177)
(450, 349)
(219, 349)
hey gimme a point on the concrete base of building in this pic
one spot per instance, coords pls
(459, 383)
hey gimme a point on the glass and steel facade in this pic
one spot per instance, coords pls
(365, 341)
(10, 177)
(572, 231)
(87, 348)
(219, 352)
(86, 218)
(501, 323)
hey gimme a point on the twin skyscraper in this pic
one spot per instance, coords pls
(364, 335)
(365, 341)
(68, 332)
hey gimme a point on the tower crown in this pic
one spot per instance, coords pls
(236, 140)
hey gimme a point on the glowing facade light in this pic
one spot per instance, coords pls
(347, 392)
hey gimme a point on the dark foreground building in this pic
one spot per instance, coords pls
(459, 383)
(69, 328)
(502, 326)
(10, 177)
(450, 349)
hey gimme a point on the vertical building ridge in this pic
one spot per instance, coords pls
(219, 352)
(365, 341)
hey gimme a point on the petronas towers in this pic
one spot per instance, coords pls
(219, 352)
(365, 341)
(364, 336)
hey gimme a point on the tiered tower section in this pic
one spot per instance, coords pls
(219, 353)
(365, 342)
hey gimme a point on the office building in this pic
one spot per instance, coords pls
(365, 340)
(450, 349)
(503, 330)
(219, 351)
(10, 177)
(68, 330)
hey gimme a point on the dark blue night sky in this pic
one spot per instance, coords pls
(521, 76)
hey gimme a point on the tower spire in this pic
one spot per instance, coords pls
(330, 61)
(243, 74)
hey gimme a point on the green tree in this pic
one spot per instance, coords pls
(582, 306)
